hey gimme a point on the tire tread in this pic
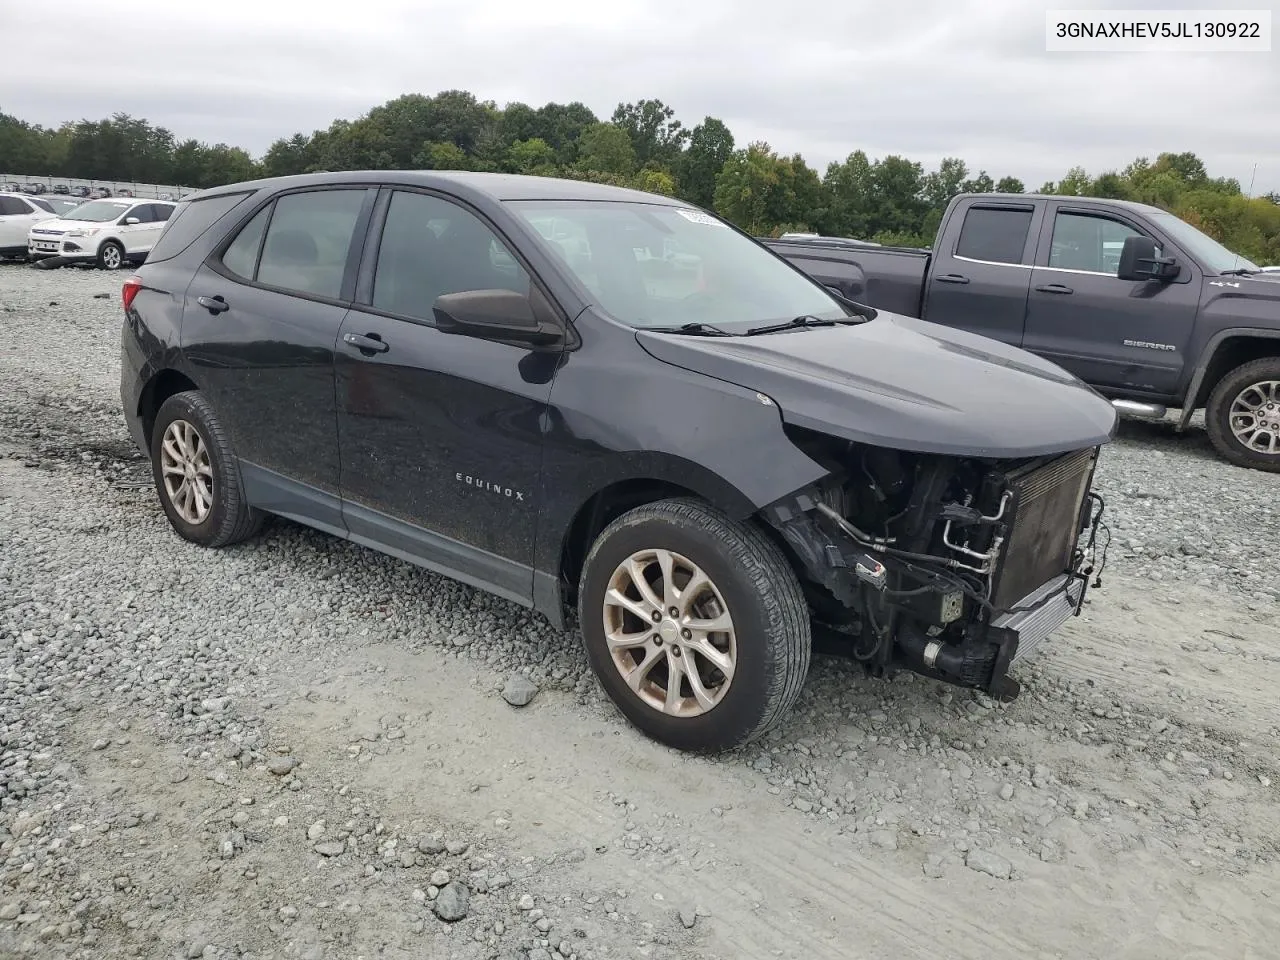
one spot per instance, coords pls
(769, 572)
(239, 520)
(1264, 368)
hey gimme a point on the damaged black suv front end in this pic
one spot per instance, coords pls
(953, 567)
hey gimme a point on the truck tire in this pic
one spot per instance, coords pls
(737, 643)
(197, 476)
(1242, 415)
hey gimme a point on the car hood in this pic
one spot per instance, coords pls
(61, 225)
(907, 384)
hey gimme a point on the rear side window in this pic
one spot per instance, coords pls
(241, 257)
(13, 207)
(188, 221)
(998, 235)
(309, 239)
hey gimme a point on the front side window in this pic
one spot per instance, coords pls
(994, 234)
(13, 207)
(308, 241)
(142, 211)
(431, 247)
(1089, 243)
(654, 265)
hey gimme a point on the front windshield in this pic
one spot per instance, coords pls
(98, 211)
(1212, 255)
(651, 265)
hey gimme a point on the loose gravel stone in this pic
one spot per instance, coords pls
(989, 863)
(452, 902)
(519, 690)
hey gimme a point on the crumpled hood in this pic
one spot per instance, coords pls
(907, 384)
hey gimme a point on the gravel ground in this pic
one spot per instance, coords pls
(299, 748)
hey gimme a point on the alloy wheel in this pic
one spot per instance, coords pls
(669, 633)
(187, 472)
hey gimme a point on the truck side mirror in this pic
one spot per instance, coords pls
(1138, 261)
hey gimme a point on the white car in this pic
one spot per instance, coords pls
(109, 233)
(18, 214)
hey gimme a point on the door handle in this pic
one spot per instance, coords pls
(368, 345)
(1053, 288)
(953, 278)
(214, 305)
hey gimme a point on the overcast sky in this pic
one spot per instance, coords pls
(923, 78)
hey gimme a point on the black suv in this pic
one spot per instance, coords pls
(597, 401)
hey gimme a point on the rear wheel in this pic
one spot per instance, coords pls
(111, 256)
(1243, 415)
(196, 474)
(694, 624)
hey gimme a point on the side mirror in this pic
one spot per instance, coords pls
(493, 315)
(1138, 261)
(129, 221)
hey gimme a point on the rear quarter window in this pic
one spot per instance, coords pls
(189, 220)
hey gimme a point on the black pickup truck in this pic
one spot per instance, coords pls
(1142, 306)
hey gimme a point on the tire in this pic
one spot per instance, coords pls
(227, 517)
(749, 579)
(111, 255)
(1257, 381)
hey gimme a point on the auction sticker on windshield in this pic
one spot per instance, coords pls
(697, 216)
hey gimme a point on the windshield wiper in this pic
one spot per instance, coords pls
(805, 320)
(696, 329)
(1239, 272)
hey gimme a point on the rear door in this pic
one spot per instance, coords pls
(980, 275)
(17, 217)
(1124, 336)
(259, 326)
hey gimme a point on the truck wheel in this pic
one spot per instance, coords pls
(694, 624)
(1243, 415)
(196, 474)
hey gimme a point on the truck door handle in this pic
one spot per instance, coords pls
(953, 278)
(214, 305)
(1053, 288)
(368, 345)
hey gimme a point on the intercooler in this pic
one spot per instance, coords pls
(1044, 522)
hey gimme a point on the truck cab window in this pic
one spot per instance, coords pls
(994, 234)
(1089, 243)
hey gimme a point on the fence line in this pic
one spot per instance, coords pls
(145, 191)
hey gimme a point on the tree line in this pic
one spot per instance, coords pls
(890, 199)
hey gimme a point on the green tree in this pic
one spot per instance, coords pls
(442, 155)
(657, 137)
(710, 146)
(534, 155)
(1010, 185)
(606, 147)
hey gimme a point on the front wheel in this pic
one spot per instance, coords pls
(694, 624)
(1243, 415)
(111, 256)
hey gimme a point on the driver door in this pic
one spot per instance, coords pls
(1126, 336)
(440, 435)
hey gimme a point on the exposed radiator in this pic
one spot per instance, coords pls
(1044, 525)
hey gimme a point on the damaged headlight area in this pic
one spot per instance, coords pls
(954, 567)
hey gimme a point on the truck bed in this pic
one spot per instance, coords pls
(891, 278)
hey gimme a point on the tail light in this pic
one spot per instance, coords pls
(129, 291)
